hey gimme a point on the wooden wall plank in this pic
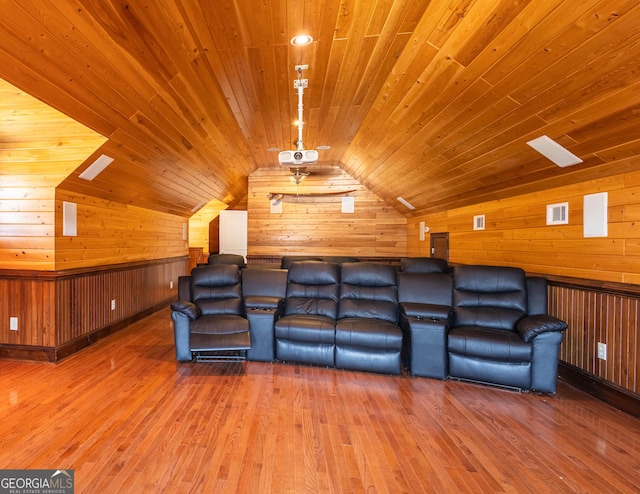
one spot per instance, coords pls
(516, 233)
(112, 233)
(199, 224)
(317, 225)
(39, 147)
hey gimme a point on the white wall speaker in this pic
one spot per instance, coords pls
(595, 215)
(69, 219)
(348, 204)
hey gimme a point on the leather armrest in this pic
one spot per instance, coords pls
(189, 309)
(279, 310)
(531, 326)
(425, 311)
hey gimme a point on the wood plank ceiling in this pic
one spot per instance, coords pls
(433, 101)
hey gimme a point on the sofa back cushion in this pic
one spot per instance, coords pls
(423, 265)
(263, 288)
(425, 288)
(489, 296)
(236, 259)
(216, 289)
(287, 261)
(369, 291)
(340, 260)
(537, 298)
(312, 288)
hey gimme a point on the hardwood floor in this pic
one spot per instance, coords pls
(128, 418)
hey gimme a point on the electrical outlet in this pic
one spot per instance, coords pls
(113, 304)
(13, 323)
(602, 351)
(171, 285)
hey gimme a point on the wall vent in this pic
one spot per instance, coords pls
(478, 222)
(558, 214)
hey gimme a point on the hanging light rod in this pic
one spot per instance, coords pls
(300, 155)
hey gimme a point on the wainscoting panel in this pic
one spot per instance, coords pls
(608, 314)
(61, 312)
(31, 301)
(84, 301)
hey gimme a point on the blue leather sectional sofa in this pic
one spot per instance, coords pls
(487, 324)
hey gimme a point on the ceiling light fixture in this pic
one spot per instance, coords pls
(406, 203)
(555, 152)
(96, 167)
(301, 40)
(198, 206)
(298, 174)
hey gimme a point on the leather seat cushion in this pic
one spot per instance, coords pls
(306, 328)
(219, 324)
(491, 344)
(368, 333)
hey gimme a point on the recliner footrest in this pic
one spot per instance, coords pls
(225, 356)
(218, 342)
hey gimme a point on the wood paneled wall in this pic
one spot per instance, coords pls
(39, 147)
(112, 233)
(59, 309)
(199, 224)
(27, 226)
(516, 233)
(316, 225)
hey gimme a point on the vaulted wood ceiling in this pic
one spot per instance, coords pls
(433, 101)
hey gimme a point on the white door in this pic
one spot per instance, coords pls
(233, 232)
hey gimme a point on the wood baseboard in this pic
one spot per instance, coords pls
(55, 354)
(621, 399)
(24, 352)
